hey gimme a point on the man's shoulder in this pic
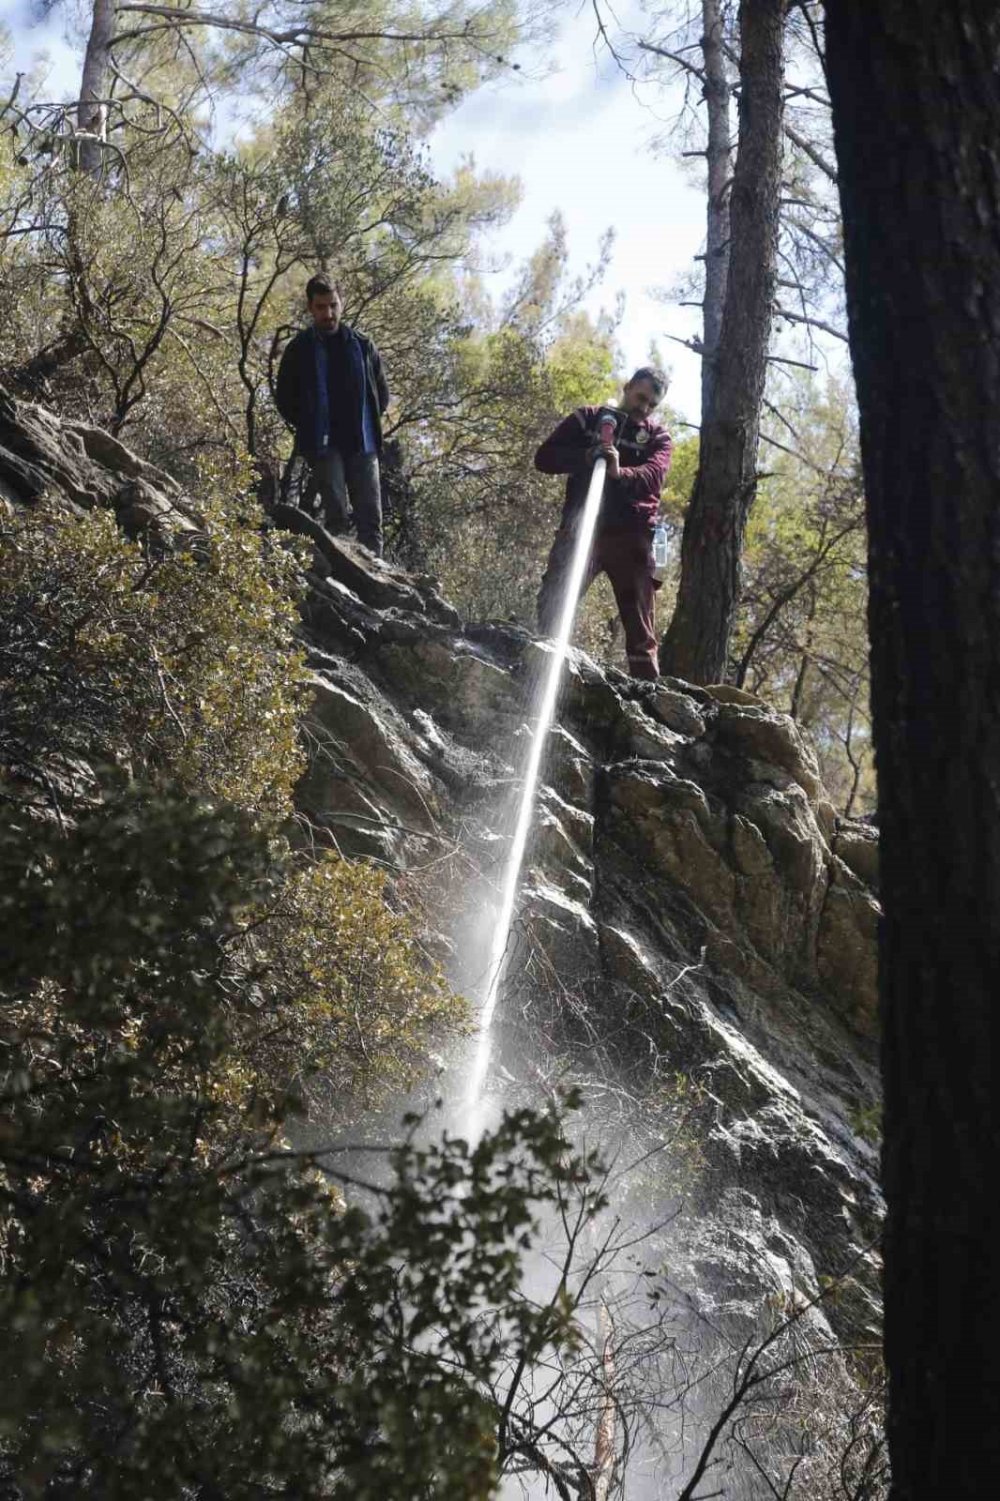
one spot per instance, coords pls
(356, 333)
(298, 340)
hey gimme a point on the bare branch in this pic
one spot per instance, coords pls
(674, 57)
(810, 322)
(293, 36)
(812, 152)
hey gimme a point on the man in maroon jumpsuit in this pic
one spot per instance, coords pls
(623, 547)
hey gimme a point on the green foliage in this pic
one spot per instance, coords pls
(325, 184)
(171, 282)
(187, 1305)
(580, 364)
(801, 638)
(866, 1120)
(350, 973)
(172, 276)
(680, 480)
(183, 663)
(480, 517)
(183, 666)
(413, 59)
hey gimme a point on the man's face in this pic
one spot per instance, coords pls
(639, 398)
(326, 309)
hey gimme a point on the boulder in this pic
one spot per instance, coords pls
(678, 711)
(728, 693)
(753, 730)
(371, 579)
(847, 950)
(79, 468)
(460, 685)
(640, 734)
(857, 845)
(362, 773)
(557, 939)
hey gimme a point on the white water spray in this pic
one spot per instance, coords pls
(473, 1103)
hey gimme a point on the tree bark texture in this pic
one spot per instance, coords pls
(93, 83)
(697, 642)
(718, 152)
(916, 105)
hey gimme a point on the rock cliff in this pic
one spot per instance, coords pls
(690, 893)
(693, 906)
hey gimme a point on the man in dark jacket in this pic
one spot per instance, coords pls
(638, 462)
(331, 389)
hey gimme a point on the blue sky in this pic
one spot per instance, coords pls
(577, 135)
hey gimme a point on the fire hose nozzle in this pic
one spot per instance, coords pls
(608, 424)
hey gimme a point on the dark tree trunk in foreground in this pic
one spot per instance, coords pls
(697, 642)
(916, 106)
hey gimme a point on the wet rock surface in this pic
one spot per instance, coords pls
(689, 891)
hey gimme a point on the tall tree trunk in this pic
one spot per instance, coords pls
(719, 155)
(697, 642)
(94, 83)
(916, 106)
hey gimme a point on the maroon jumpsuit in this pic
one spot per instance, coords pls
(623, 546)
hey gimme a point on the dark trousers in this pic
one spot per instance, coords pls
(627, 559)
(353, 479)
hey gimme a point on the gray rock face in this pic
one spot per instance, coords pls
(689, 893)
(691, 905)
(85, 467)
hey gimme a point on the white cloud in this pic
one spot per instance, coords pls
(41, 44)
(578, 140)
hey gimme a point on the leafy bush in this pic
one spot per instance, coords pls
(352, 972)
(183, 664)
(187, 1306)
(185, 667)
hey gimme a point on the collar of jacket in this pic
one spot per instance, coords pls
(315, 333)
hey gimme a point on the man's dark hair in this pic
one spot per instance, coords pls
(320, 286)
(656, 378)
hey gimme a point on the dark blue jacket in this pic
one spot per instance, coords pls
(296, 387)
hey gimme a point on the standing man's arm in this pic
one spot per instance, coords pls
(565, 450)
(381, 384)
(646, 478)
(286, 392)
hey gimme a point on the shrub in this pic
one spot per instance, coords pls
(186, 1307)
(183, 664)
